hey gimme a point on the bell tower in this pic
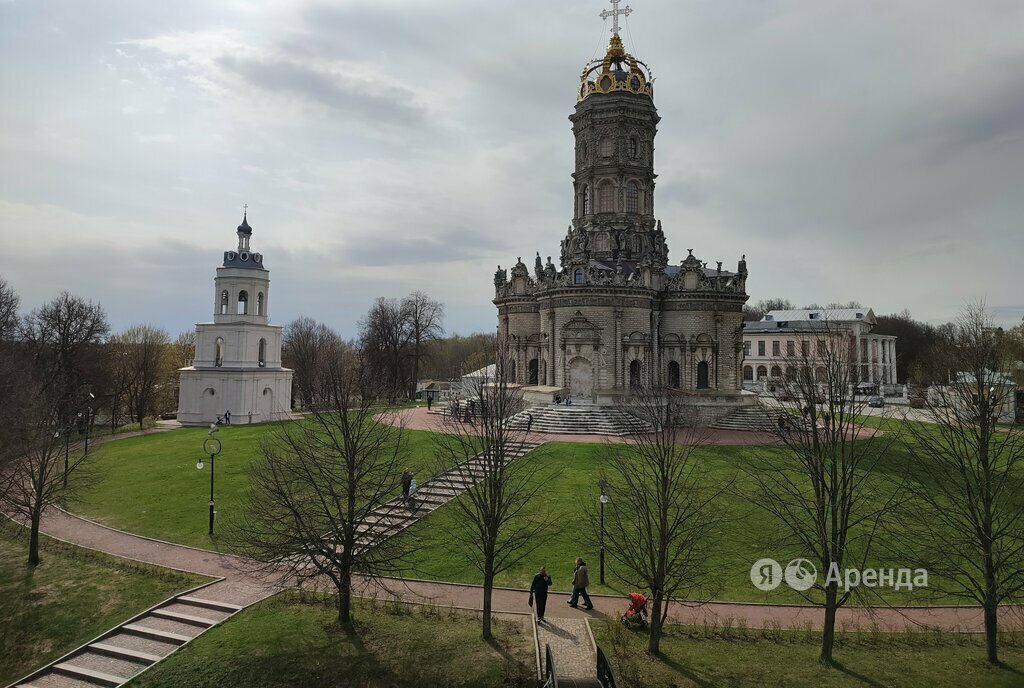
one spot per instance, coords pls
(237, 367)
(614, 125)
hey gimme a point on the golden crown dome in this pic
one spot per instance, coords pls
(617, 72)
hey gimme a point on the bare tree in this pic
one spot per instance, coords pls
(761, 308)
(139, 361)
(184, 349)
(826, 488)
(39, 471)
(383, 339)
(494, 529)
(663, 519)
(423, 320)
(309, 507)
(965, 520)
(64, 338)
(304, 344)
(9, 302)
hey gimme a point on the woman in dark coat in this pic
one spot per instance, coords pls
(539, 591)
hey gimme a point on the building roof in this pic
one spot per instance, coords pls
(830, 314)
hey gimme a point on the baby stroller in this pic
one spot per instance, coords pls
(636, 616)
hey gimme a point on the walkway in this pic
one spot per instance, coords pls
(419, 419)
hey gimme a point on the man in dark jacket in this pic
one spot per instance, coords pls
(539, 591)
(580, 581)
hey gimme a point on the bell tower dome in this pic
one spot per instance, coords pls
(242, 286)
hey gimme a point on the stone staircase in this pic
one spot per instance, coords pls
(391, 518)
(119, 654)
(748, 419)
(122, 652)
(580, 419)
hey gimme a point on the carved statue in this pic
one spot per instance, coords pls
(538, 267)
(500, 277)
(549, 270)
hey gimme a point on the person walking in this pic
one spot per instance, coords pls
(529, 422)
(227, 417)
(539, 592)
(406, 487)
(580, 581)
(430, 400)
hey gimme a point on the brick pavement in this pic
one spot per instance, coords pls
(571, 645)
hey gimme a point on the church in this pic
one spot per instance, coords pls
(237, 367)
(617, 313)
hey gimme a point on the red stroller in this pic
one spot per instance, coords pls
(636, 615)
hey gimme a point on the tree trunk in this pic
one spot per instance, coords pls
(991, 610)
(345, 600)
(654, 639)
(33, 538)
(488, 590)
(828, 634)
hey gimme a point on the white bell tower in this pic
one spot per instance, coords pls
(237, 368)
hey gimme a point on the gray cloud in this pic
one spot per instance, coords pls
(852, 151)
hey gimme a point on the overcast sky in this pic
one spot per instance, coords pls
(868, 150)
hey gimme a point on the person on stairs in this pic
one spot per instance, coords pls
(539, 592)
(580, 581)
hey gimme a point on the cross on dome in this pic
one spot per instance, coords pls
(614, 13)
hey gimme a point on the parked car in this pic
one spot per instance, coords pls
(876, 402)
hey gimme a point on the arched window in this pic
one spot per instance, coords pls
(820, 374)
(791, 373)
(577, 276)
(634, 148)
(702, 375)
(748, 374)
(263, 353)
(634, 374)
(606, 147)
(534, 372)
(224, 302)
(606, 198)
(218, 358)
(673, 374)
(243, 302)
(762, 372)
(259, 304)
(586, 200)
(632, 198)
(776, 372)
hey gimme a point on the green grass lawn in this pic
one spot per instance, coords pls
(150, 484)
(152, 487)
(284, 642)
(703, 657)
(71, 597)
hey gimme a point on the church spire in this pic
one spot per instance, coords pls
(244, 230)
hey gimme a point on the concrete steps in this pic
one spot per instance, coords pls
(122, 652)
(748, 419)
(580, 419)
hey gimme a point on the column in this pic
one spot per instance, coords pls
(655, 351)
(617, 383)
(871, 360)
(551, 335)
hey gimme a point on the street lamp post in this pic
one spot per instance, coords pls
(603, 499)
(211, 446)
(88, 420)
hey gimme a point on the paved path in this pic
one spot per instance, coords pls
(419, 419)
(571, 644)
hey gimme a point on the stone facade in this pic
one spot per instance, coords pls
(238, 356)
(616, 314)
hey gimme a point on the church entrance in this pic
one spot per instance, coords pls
(634, 375)
(702, 375)
(581, 378)
(673, 374)
(534, 372)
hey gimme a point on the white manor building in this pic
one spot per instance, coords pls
(773, 344)
(237, 367)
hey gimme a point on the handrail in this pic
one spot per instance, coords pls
(604, 671)
(550, 676)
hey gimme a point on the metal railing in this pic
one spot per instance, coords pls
(604, 671)
(550, 677)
